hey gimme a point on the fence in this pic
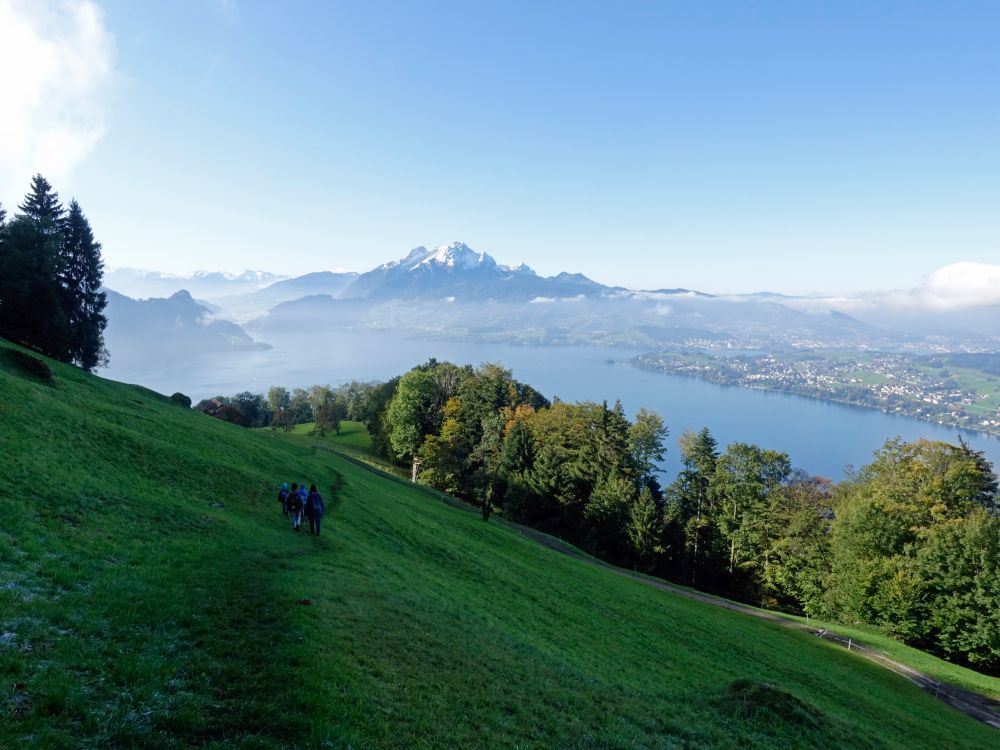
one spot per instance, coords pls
(973, 704)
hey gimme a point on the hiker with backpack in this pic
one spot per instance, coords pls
(314, 509)
(283, 497)
(295, 504)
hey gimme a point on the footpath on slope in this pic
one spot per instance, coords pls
(970, 703)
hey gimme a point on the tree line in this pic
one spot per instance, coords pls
(323, 406)
(910, 543)
(50, 279)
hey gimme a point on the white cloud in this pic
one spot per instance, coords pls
(958, 286)
(551, 300)
(58, 57)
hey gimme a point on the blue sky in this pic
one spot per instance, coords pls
(796, 147)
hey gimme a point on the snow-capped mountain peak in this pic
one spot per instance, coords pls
(520, 268)
(458, 255)
(412, 258)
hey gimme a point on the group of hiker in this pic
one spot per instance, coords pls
(298, 502)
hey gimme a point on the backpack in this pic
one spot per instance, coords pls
(295, 502)
(282, 496)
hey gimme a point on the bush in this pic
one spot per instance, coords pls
(231, 414)
(181, 399)
(28, 365)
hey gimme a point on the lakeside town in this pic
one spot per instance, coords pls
(933, 388)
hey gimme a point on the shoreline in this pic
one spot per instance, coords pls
(813, 397)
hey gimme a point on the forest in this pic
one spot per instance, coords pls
(909, 543)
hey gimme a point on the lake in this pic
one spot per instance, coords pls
(821, 438)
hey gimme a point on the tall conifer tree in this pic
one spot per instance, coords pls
(31, 305)
(42, 205)
(80, 275)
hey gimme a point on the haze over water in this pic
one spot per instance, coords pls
(820, 437)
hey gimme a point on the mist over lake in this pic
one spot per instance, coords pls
(820, 437)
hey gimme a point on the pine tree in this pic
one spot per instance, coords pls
(32, 308)
(699, 453)
(645, 529)
(42, 204)
(80, 275)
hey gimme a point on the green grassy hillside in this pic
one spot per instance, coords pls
(150, 589)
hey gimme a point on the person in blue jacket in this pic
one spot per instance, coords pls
(283, 497)
(314, 509)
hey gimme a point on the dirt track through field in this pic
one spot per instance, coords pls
(972, 704)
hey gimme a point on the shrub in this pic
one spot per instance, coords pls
(181, 399)
(28, 365)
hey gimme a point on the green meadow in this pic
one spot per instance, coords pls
(153, 595)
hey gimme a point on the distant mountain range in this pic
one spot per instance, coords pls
(141, 284)
(243, 307)
(458, 271)
(456, 292)
(157, 329)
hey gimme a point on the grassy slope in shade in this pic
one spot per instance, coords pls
(148, 588)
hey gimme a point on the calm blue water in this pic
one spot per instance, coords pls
(820, 437)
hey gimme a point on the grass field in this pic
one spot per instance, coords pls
(150, 596)
(938, 669)
(352, 440)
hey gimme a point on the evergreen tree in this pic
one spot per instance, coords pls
(645, 529)
(32, 310)
(517, 458)
(81, 272)
(42, 205)
(694, 512)
(607, 516)
(485, 460)
(609, 442)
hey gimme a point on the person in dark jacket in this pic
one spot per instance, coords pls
(314, 509)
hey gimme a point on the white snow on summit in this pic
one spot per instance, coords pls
(521, 268)
(456, 255)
